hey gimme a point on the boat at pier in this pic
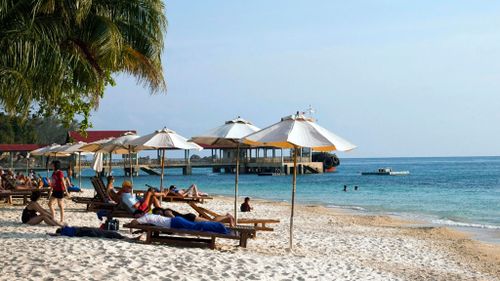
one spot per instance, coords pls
(386, 172)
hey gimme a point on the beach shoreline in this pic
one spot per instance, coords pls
(329, 245)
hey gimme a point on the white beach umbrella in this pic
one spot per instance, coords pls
(94, 147)
(48, 151)
(162, 140)
(71, 148)
(298, 131)
(119, 146)
(44, 151)
(229, 135)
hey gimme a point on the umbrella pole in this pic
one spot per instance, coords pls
(236, 180)
(130, 165)
(294, 185)
(80, 170)
(110, 160)
(162, 171)
(47, 165)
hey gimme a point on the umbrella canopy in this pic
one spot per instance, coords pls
(45, 151)
(228, 134)
(118, 145)
(96, 145)
(69, 148)
(299, 131)
(296, 131)
(162, 139)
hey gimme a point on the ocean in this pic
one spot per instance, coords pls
(462, 192)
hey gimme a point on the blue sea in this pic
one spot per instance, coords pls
(462, 192)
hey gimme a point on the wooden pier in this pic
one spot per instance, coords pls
(273, 165)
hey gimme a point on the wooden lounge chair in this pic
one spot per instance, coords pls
(259, 224)
(23, 194)
(101, 199)
(181, 237)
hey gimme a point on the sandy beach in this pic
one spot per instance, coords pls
(330, 245)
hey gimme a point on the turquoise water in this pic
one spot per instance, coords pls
(462, 192)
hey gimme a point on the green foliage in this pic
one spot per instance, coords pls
(14, 129)
(57, 57)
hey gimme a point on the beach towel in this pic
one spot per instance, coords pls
(74, 188)
(45, 182)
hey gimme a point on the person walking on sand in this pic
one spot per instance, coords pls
(34, 214)
(58, 189)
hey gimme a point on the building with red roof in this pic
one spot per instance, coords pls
(75, 136)
(18, 147)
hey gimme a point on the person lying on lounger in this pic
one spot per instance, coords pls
(181, 223)
(34, 214)
(134, 204)
(190, 191)
(228, 218)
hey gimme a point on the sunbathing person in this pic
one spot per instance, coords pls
(191, 191)
(22, 180)
(9, 182)
(181, 223)
(111, 191)
(229, 219)
(133, 204)
(34, 214)
(71, 187)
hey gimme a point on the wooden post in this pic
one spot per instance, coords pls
(162, 171)
(236, 179)
(80, 170)
(294, 185)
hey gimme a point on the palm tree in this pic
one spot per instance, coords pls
(57, 57)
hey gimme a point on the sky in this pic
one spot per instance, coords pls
(396, 78)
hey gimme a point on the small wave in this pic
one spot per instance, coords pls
(464, 224)
(357, 208)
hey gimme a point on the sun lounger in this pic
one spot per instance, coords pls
(181, 237)
(100, 199)
(23, 194)
(259, 224)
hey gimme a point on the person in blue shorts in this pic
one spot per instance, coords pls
(181, 223)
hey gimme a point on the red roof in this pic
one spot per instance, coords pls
(18, 147)
(95, 135)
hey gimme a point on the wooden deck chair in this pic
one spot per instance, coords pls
(182, 237)
(23, 194)
(259, 224)
(99, 200)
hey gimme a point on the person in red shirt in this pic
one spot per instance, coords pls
(58, 189)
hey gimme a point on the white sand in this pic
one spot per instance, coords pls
(329, 246)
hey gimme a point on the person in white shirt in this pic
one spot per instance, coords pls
(133, 204)
(155, 220)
